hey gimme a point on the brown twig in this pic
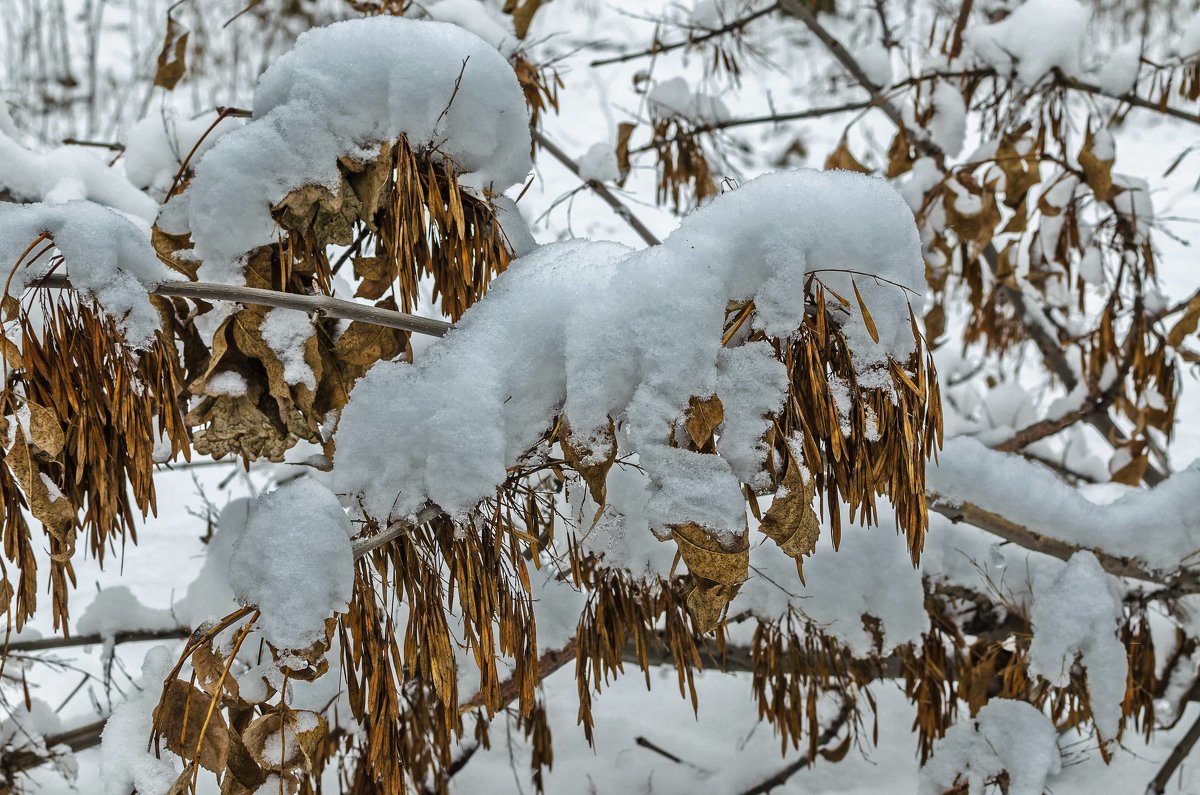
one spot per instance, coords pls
(1178, 754)
(690, 41)
(827, 736)
(598, 188)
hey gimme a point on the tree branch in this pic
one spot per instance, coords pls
(321, 304)
(1178, 754)
(658, 49)
(827, 736)
(1179, 583)
(598, 188)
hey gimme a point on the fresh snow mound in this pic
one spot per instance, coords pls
(107, 257)
(126, 764)
(598, 331)
(1077, 615)
(1038, 36)
(1006, 736)
(294, 563)
(342, 91)
(68, 173)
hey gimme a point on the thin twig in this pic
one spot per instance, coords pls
(598, 188)
(658, 49)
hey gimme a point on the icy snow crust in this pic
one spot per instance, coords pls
(600, 331)
(107, 257)
(342, 91)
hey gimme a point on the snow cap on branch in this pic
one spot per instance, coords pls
(596, 331)
(341, 92)
(107, 257)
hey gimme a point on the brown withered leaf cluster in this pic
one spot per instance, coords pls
(68, 386)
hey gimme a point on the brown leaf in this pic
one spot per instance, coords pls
(592, 457)
(45, 431)
(522, 14)
(1098, 172)
(791, 522)
(841, 158)
(172, 59)
(1186, 324)
(376, 275)
(51, 508)
(900, 159)
(180, 718)
(703, 417)
(284, 741)
(624, 131)
(866, 314)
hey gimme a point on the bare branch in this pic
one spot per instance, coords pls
(598, 188)
(321, 304)
(658, 49)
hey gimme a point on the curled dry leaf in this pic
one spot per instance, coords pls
(703, 417)
(591, 458)
(843, 159)
(284, 741)
(1098, 171)
(791, 522)
(717, 571)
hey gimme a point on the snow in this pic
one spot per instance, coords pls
(1119, 74)
(341, 91)
(871, 574)
(209, 596)
(1036, 37)
(604, 332)
(482, 20)
(675, 97)
(1155, 526)
(107, 257)
(599, 164)
(227, 383)
(286, 332)
(948, 128)
(116, 610)
(1077, 615)
(1187, 46)
(294, 563)
(1006, 736)
(27, 726)
(126, 764)
(156, 146)
(64, 174)
(876, 63)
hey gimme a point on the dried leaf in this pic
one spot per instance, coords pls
(180, 717)
(1097, 171)
(866, 314)
(791, 522)
(45, 431)
(1186, 324)
(624, 131)
(592, 457)
(717, 571)
(703, 417)
(841, 158)
(172, 59)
